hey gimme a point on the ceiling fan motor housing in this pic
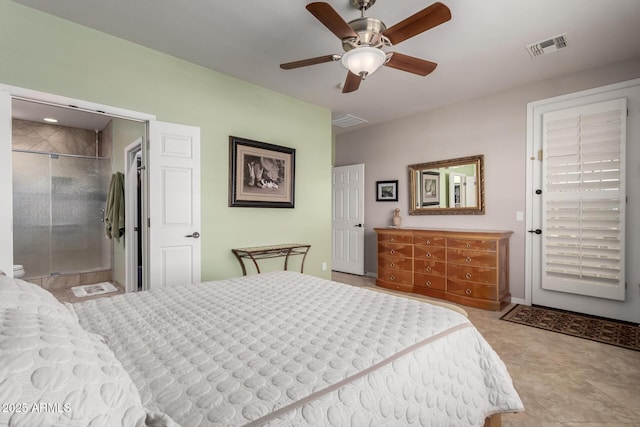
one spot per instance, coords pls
(369, 32)
(362, 4)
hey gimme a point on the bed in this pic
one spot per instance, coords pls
(271, 349)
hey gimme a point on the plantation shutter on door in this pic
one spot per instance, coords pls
(584, 200)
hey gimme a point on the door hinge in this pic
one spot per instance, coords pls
(540, 155)
(149, 222)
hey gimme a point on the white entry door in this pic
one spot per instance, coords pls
(581, 239)
(348, 219)
(174, 204)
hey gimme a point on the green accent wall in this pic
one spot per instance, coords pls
(45, 53)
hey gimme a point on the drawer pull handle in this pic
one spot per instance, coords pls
(428, 283)
(428, 255)
(392, 251)
(428, 242)
(467, 259)
(428, 268)
(392, 240)
(392, 277)
(468, 245)
(468, 275)
(392, 265)
(468, 291)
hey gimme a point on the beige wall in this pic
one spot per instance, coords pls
(493, 125)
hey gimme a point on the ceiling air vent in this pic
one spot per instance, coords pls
(547, 46)
(347, 120)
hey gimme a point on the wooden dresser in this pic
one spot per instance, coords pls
(463, 266)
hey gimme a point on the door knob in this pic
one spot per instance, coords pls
(195, 235)
(358, 225)
(537, 231)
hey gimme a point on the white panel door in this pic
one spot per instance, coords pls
(348, 219)
(470, 191)
(174, 204)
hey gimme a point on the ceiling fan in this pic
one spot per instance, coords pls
(364, 37)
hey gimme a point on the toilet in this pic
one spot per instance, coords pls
(18, 271)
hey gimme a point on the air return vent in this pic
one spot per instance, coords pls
(547, 46)
(347, 120)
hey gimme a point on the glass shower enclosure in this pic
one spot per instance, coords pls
(58, 207)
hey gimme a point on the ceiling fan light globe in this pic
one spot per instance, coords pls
(363, 61)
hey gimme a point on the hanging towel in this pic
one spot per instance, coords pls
(114, 210)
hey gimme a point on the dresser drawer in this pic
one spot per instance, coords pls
(395, 238)
(429, 281)
(472, 290)
(395, 263)
(473, 274)
(463, 266)
(395, 249)
(395, 276)
(473, 244)
(439, 268)
(429, 253)
(475, 258)
(429, 240)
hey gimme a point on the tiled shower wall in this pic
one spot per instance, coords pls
(50, 138)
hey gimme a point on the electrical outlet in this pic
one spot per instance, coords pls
(324, 266)
(519, 216)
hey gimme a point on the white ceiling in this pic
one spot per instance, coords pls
(37, 112)
(481, 50)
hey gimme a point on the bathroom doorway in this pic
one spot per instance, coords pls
(61, 176)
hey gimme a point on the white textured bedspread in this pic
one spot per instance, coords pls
(284, 348)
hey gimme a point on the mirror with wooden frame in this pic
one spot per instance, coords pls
(447, 187)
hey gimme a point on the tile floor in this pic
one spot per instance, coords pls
(66, 294)
(563, 381)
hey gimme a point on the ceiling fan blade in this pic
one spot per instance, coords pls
(411, 64)
(352, 83)
(310, 61)
(424, 20)
(330, 18)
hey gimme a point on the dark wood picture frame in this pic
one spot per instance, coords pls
(387, 191)
(430, 188)
(261, 175)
